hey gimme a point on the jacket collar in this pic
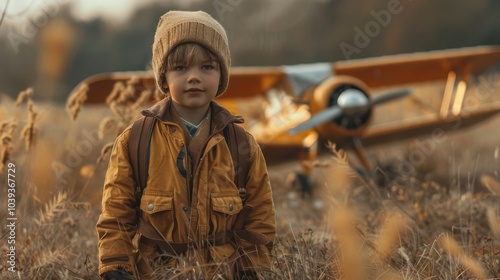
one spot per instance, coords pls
(220, 116)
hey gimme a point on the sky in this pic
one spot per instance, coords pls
(117, 11)
(82, 9)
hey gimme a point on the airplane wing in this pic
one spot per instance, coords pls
(385, 71)
(244, 81)
(419, 67)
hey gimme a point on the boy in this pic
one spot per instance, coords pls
(190, 205)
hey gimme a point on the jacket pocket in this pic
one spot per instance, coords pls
(158, 209)
(225, 207)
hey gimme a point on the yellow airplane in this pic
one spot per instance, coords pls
(291, 109)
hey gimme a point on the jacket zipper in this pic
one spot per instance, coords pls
(195, 175)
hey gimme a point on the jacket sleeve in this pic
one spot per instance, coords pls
(116, 226)
(262, 217)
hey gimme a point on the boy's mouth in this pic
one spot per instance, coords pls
(194, 90)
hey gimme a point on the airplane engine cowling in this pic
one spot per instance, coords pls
(348, 124)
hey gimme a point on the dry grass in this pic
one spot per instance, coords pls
(7, 130)
(353, 227)
(76, 100)
(29, 130)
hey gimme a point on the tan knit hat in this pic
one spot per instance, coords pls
(178, 27)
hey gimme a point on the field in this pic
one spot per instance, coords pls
(438, 219)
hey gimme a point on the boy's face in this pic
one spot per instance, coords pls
(193, 86)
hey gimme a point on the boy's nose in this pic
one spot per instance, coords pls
(194, 77)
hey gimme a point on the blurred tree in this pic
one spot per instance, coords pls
(56, 43)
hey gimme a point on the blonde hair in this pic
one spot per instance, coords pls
(185, 54)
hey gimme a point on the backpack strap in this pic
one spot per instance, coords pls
(237, 141)
(240, 153)
(138, 148)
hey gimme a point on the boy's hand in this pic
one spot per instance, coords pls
(118, 274)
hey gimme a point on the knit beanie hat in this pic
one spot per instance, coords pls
(178, 27)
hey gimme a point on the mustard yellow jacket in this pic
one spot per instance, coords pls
(165, 202)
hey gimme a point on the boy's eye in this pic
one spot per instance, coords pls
(207, 67)
(179, 68)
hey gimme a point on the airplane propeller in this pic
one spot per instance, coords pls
(351, 104)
